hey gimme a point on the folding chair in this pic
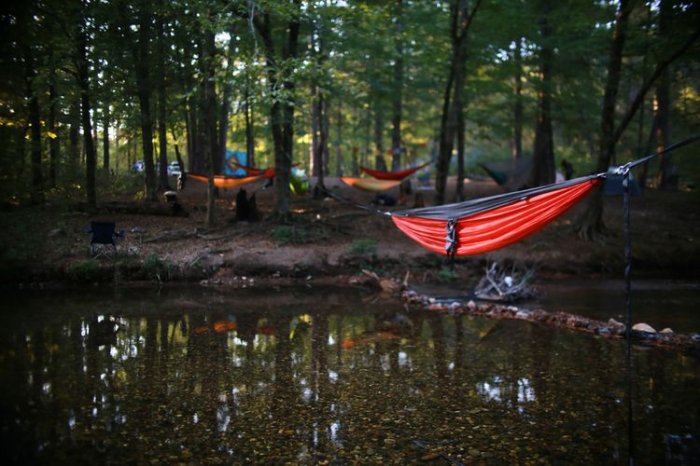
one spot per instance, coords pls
(103, 233)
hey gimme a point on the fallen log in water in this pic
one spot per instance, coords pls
(610, 329)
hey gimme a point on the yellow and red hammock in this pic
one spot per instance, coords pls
(221, 181)
(482, 225)
(395, 175)
(370, 184)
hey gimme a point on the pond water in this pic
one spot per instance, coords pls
(320, 376)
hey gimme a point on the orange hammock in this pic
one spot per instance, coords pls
(221, 181)
(370, 184)
(482, 225)
(397, 175)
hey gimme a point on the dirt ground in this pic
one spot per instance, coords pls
(327, 240)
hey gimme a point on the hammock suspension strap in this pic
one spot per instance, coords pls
(451, 241)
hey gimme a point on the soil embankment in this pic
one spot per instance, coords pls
(325, 240)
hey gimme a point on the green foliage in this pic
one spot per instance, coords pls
(350, 57)
(157, 268)
(447, 275)
(290, 235)
(363, 247)
(85, 270)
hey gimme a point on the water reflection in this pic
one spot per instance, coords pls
(314, 376)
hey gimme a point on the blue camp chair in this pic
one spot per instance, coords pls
(103, 234)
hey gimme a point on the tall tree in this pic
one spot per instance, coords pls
(397, 99)
(543, 154)
(666, 178)
(517, 146)
(590, 224)
(280, 75)
(460, 21)
(163, 183)
(83, 76)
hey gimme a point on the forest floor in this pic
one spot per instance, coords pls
(325, 241)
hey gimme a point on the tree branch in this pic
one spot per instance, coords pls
(639, 98)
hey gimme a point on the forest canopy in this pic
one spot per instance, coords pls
(89, 87)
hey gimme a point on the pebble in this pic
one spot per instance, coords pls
(642, 327)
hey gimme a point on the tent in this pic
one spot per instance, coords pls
(232, 160)
(613, 185)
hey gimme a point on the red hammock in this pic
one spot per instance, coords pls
(264, 172)
(221, 181)
(482, 225)
(397, 175)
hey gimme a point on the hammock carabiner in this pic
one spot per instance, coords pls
(451, 238)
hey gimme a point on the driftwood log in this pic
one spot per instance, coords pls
(611, 329)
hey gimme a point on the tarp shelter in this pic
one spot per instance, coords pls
(232, 158)
(613, 185)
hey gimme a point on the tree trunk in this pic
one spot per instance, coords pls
(543, 171)
(249, 126)
(225, 108)
(105, 138)
(84, 85)
(398, 91)
(54, 141)
(461, 128)
(667, 178)
(209, 133)
(590, 224)
(37, 192)
(379, 162)
(144, 91)
(74, 137)
(461, 20)
(281, 112)
(517, 149)
(338, 139)
(163, 182)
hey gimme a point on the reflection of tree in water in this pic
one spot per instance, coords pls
(343, 387)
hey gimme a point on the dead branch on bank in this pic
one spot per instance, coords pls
(641, 333)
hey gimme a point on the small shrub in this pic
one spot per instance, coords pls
(156, 267)
(363, 247)
(447, 275)
(84, 270)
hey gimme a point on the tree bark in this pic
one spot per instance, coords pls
(338, 139)
(144, 91)
(398, 90)
(163, 182)
(667, 178)
(54, 146)
(84, 86)
(590, 224)
(543, 171)
(37, 192)
(282, 111)
(379, 162)
(249, 125)
(461, 19)
(74, 137)
(105, 138)
(517, 149)
(209, 133)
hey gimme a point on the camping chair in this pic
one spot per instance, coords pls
(103, 233)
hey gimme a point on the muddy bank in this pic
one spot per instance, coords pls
(324, 239)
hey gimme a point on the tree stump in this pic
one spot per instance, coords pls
(246, 208)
